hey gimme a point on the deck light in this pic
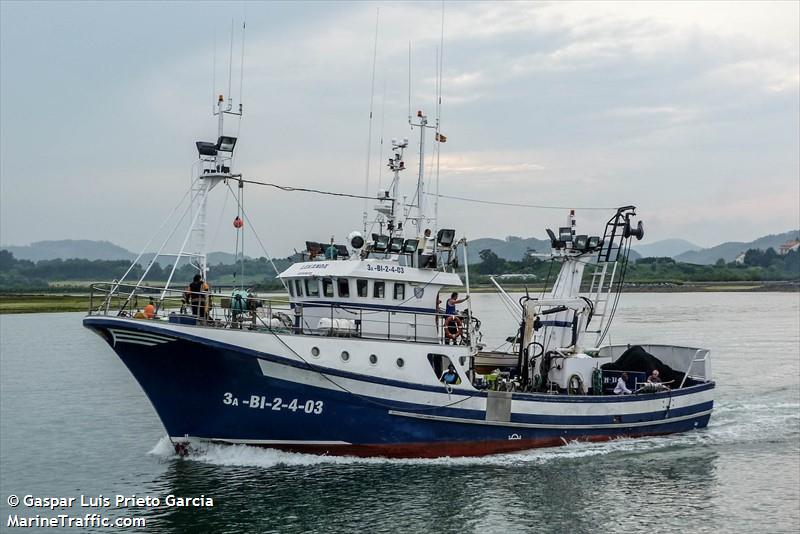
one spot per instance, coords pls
(580, 242)
(206, 149)
(593, 242)
(445, 237)
(410, 246)
(396, 245)
(226, 143)
(381, 242)
(565, 234)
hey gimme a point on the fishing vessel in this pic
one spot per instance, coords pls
(366, 355)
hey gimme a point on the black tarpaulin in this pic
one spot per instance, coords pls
(639, 360)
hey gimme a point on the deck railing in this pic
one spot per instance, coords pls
(242, 310)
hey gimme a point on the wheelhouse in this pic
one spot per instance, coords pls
(373, 298)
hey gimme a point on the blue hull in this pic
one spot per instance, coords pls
(214, 392)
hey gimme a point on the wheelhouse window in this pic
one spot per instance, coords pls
(312, 287)
(343, 286)
(379, 290)
(399, 291)
(327, 287)
(290, 285)
(440, 364)
(362, 288)
(298, 288)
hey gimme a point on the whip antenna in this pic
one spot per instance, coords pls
(214, 75)
(409, 82)
(230, 67)
(439, 138)
(241, 73)
(369, 132)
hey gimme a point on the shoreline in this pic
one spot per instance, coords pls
(33, 302)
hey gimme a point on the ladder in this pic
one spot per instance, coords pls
(602, 279)
(600, 290)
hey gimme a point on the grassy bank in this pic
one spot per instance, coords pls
(43, 303)
(40, 303)
(664, 287)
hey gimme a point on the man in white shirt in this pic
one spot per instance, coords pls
(622, 387)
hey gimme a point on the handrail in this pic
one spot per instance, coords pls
(172, 301)
(691, 364)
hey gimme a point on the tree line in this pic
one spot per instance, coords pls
(758, 265)
(23, 275)
(26, 275)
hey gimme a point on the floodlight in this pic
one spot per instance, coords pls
(226, 143)
(410, 246)
(206, 149)
(396, 245)
(445, 237)
(381, 243)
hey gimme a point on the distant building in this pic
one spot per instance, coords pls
(789, 246)
(739, 259)
(517, 275)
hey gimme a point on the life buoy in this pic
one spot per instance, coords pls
(455, 332)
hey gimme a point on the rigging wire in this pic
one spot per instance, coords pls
(237, 231)
(621, 281)
(255, 234)
(520, 205)
(450, 197)
(304, 189)
(150, 241)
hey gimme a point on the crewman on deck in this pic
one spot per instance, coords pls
(427, 250)
(150, 310)
(452, 322)
(654, 378)
(196, 298)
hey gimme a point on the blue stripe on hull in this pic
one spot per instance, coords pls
(187, 383)
(153, 328)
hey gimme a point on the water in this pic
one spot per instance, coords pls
(73, 421)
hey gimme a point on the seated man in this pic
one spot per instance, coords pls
(150, 310)
(655, 381)
(450, 377)
(622, 387)
(654, 378)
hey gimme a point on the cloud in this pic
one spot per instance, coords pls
(569, 103)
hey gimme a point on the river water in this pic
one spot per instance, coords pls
(74, 422)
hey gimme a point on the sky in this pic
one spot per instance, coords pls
(688, 110)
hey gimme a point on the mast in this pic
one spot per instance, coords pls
(388, 200)
(422, 125)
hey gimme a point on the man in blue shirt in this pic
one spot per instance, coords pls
(450, 377)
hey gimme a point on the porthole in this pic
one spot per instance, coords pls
(315, 352)
(345, 356)
(400, 362)
(373, 359)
